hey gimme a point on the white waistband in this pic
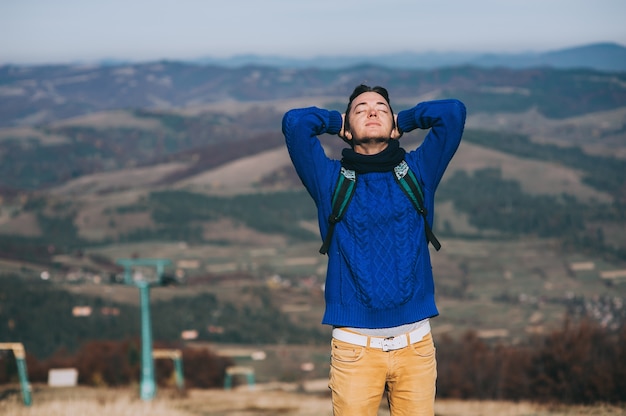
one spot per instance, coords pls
(386, 344)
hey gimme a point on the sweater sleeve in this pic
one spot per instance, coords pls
(301, 128)
(446, 121)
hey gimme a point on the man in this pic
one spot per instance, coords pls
(379, 283)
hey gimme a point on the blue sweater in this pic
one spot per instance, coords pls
(379, 271)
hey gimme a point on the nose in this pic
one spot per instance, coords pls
(373, 113)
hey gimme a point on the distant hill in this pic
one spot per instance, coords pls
(98, 134)
(599, 56)
(42, 94)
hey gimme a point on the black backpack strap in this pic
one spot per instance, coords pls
(344, 189)
(409, 184)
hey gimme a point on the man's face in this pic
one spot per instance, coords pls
(370, 118)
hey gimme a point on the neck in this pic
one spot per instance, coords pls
(370, 147)
(382, 159)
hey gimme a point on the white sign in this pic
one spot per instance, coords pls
(62, 377)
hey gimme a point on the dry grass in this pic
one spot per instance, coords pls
(26, 132)
(535, 177)
(110, 119)
(275, 400)
(239, 176)
(119, 180)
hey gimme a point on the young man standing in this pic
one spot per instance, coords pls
(379, 282)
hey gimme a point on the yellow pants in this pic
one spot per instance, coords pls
(360, 375)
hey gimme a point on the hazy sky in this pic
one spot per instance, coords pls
(54, 31)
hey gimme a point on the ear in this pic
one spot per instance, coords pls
(344, 134)
(396, 133)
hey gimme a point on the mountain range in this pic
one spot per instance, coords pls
(600, 56)
(35, 95)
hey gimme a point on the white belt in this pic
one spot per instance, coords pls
(386, 344)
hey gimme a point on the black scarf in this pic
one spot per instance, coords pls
(384, 161)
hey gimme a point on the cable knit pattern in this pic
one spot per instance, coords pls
(383, 232)
(379, 272)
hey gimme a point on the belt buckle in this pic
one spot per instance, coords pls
(388, 343)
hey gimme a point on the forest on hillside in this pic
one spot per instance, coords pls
(80, 149)
(38, 314)
(491, 202)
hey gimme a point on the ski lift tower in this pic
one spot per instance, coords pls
(20, 360)
(148, 384)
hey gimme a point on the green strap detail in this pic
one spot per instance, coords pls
(344, 189)
(411, 187)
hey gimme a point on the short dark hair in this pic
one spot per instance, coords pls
(360, 90)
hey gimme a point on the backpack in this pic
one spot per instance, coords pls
(344, 190)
